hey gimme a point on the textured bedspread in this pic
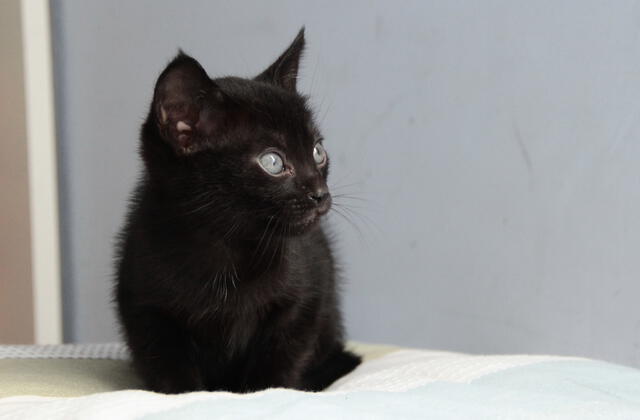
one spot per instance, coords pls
(403, 384)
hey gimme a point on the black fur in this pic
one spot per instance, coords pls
(225, 278)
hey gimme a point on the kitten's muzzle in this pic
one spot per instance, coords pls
(321, 198)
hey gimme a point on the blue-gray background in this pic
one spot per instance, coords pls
(497, 144)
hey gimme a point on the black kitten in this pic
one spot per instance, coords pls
(225, 279)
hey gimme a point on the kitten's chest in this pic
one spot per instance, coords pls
(257, 303)
(240, 327)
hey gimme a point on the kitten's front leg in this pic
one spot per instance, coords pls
(337, 364)
(163, 353)
(271, 372)
(276, 363)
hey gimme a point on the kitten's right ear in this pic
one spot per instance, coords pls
(184, 105)
(284, 71)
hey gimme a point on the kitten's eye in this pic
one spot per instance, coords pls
(319, 154)
(272, 163)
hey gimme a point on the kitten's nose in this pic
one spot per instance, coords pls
(319, 196)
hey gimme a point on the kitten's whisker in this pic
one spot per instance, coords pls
(225, 285)
(362, 217)
(338, 183)
(355, 226)
(234, 277)
(335, 187)
(262, 237)
(354, 211)
(200, 208)
(313, 77)
(215, 284)
(340, 197)
(326, 111)
(269, 238)
(276, 249)
(283, 242)
(231, 230)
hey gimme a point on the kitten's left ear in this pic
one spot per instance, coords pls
(284, 71)
(187, 105)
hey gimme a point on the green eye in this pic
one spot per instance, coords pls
(272, 163)
(319, 154)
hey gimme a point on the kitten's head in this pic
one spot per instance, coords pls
(238, 152)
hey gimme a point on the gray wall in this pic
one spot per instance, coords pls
(496, 144)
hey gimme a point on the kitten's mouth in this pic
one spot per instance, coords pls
(305, 223)
(310, 217)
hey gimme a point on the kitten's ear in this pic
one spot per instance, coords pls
(184, 105)
(284, 71)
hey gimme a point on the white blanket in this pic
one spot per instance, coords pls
(405, 384)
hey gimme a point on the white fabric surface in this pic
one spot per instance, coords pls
(392, 374)
(408, 369)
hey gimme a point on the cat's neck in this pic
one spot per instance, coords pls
(226, 246)
(255, 257)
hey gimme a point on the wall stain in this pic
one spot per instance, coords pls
(524, 152)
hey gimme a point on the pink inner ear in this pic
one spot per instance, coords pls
(176, 121)
(183, 126)
(188, 125)
(184, 135)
